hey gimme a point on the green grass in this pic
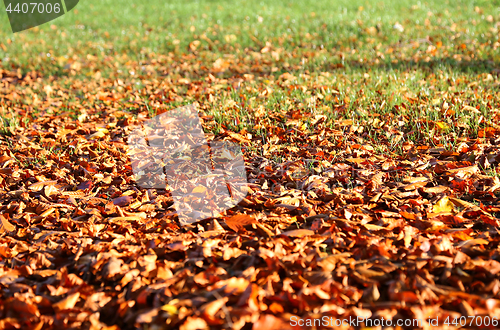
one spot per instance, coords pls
(133, 28)
(8, 121)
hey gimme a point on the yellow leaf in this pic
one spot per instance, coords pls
(407, 238)
(169, 309)
(346, 122)
(471, 242)
(128, 193)
(469, 108)
(98, 134)
(48, 212)
(200, 189)
(444, 205)
(370, 226)
(442, 126)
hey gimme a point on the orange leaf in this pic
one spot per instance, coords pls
(237, 222)
(408, 216)
(5, 225)
(238, 137)
(67, 303)
(487, 132)
(299, 233)
(209, 310)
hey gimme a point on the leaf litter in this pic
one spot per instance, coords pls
(331, 225)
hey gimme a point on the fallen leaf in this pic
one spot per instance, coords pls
(299, 233)
(444, 205)
(123, 200)
(67, 303)
(237, 222)
(209, 310)
(5, 225)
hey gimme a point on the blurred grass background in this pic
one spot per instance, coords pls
(112, 28)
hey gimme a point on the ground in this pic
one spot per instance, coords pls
(370, 137)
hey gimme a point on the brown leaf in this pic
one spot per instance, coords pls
(74, 194)
(264, 231)
(464, 204)
(25, 308)
(84, 185)
(39, 185)
(123, 200)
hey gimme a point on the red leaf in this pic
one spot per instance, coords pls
(84, 185)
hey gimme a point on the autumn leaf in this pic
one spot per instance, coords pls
(487, 132)
(299, 233)
(369, 193)
(238, 137)
(84, 185)
(123, 200)
(5, 225)
(209, 310)
(237, 222)
(193, 323)
(67, 303)
(39, 185)
(444, 205)
(441, 125)
(463, 204)
(199, 189)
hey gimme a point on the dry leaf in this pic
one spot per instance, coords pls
(299, 233)
(237, 222)
(444, 205)
(67, 303)
(5, 225)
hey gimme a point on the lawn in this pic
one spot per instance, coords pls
(370, 133)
